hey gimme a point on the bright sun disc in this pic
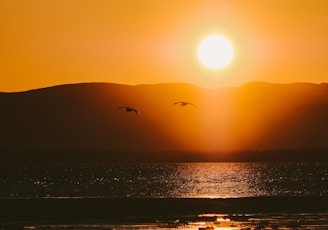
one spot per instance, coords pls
(215, 52)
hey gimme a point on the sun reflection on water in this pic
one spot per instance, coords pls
(226, 180)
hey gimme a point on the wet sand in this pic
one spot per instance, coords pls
(110, 213)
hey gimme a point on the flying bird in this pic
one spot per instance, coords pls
(129, 109)
(183, 103)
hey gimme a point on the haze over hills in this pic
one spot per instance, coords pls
(81, 121)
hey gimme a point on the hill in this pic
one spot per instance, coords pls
(81, 121)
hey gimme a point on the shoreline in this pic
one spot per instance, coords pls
(134, 208)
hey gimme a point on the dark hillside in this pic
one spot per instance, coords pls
(82, 121)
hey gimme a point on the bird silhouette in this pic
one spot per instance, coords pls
(183, 103)
(129, 109)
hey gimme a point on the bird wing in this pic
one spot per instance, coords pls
(183, 103)
(137, 112)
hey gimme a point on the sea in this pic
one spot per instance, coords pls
(229, 196)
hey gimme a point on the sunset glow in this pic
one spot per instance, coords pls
(46, 43)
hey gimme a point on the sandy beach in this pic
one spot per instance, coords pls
(157, 213)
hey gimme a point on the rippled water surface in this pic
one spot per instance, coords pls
(217, 180)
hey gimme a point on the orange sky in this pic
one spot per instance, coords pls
(45, 43)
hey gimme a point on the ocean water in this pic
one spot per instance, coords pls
(167, 180)
(218, 196)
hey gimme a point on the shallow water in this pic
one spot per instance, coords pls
(285, 221)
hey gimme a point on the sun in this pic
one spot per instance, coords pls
(215, 52)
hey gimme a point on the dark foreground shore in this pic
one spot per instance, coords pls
(126, 209)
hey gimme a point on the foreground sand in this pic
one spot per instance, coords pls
(168, 213)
